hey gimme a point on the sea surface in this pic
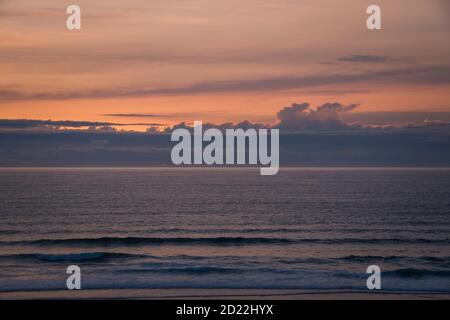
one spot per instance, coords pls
(305, 228)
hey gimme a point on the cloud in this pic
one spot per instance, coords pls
(223, 126)
(134, 115)
(430, 75)
(363, 58)
(301, 117)
(395, 118)
(309, 136)
(361, 148)
(186, 115)
(36, 124)
(298, 117)
(430, 125)
(334, 117)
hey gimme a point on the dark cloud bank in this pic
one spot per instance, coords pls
(309, 136)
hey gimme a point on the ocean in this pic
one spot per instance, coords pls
(305, 228)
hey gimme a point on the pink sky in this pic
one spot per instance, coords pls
(168, 61)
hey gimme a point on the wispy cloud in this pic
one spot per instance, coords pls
(363, 58)
(29, 123)
(135, 115)
(429, 75)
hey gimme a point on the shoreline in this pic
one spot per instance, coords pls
(242, 167)
(218, 294)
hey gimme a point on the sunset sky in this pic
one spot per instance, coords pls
(167, 61)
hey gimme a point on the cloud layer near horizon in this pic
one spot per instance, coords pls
(298, 117)
(309, 136)
(88, 148)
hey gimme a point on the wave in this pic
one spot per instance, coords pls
(288, 230)
(396, 258)
(130, 241)
(417, 273)
(219, 241)
(185, 270)
(71, 257)
(98, 256)
(9, 232)
(442, 261)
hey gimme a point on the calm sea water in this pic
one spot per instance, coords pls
(311, 229)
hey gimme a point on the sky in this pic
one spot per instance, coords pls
(111, 93)
(162, 62)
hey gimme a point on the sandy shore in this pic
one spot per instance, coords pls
(203, 294)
